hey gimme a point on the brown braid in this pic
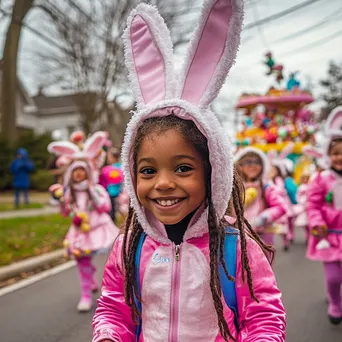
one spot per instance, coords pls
(215, 225)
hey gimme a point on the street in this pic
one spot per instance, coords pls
(46, 311)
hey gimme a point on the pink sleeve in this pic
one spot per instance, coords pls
(112, 320)
(315, 201)
(263, 321)
(276, 204)
(100, 198)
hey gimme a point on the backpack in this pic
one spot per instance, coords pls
(228, 286)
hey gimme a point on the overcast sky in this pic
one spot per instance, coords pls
(248, 74)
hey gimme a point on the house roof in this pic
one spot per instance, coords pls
(62, 102)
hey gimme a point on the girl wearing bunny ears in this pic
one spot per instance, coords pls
(92, 229)
(263, 203)
(324, 208)
(162, 280)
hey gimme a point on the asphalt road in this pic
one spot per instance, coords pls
(46, 311)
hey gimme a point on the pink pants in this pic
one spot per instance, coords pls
(87, 276)
(333, 281)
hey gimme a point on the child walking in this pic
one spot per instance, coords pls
(266, 205)
(87, 203)
(324, 208)
(162, 281)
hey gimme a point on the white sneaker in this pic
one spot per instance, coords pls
(84, 305)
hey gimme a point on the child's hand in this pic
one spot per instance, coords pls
(320, 231)
(57, 191)
(260, 221)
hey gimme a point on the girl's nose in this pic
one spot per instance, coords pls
(164, 182)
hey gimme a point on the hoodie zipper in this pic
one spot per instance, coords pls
(175, 290)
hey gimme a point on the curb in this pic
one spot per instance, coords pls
(30, 264)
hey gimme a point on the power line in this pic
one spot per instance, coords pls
(314, 44)
(279, 14)
(310, 28)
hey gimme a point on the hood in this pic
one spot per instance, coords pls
(23, 152)
(76, 164)
(265, 163)
(333, 129)
(212, 50)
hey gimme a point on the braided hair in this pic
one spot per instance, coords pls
(133, 229)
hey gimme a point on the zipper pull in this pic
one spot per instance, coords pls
(177, 252)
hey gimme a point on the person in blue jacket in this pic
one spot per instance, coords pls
(21, 167)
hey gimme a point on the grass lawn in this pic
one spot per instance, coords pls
(10, 206)
(22, 238)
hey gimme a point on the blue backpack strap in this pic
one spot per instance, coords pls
(228, 286)
(137, 278)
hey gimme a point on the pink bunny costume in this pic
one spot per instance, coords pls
(94, 200)
(324, 208)
(88, 211)
(176, 300)
(268, 206)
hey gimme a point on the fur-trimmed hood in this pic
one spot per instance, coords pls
(211, 53)
(265, 163)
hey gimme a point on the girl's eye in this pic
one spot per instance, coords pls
(147, 171)
(183, 168)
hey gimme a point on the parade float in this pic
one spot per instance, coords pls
(272, 120)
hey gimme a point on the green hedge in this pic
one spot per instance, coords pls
(36, 146)
(41, 180)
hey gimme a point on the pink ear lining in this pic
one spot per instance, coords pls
(336, 122)
(148, 60)
(208, 52)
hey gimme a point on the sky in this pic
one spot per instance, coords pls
(308, 53)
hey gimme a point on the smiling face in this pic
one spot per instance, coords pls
(251, 166)
(79, 175)
(170, 176)
(335, 154)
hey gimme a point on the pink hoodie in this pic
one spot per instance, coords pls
(321, 211)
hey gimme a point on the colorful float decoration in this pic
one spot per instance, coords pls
(274, 119)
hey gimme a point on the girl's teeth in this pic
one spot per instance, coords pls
(167, 203)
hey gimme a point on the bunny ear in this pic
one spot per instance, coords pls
(333, 124)
(94, 144)
(272, 155)
(63, 148)
(312, 152)
(286, 150)
(148, 55)
(212, 51)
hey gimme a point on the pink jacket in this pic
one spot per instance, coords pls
(275, 205)
(103, 230)
(177, 302)
(321, 211)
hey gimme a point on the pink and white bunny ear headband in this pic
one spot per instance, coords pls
(333, 125)
(211, 53)
(90, 150)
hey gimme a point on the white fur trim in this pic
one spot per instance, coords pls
(228, 56)
(163, 41)
(221, 159)
(265, 163)
(329, 127)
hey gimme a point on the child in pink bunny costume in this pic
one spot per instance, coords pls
(266, 206)
(324, 208)
(87, 202)
(178, 169)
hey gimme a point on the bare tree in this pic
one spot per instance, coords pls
(9, 68)
(89, 59)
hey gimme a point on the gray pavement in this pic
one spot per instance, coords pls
(48, 210)
(46, 311)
